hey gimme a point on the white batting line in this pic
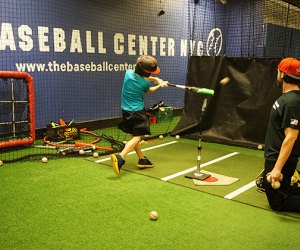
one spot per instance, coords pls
(201, 166)
(240, 190)
(145, 149)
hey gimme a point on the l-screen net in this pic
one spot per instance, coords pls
(17, 122)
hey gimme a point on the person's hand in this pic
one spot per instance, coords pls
(163, 84)
(158, 81)
(275, 175)
(274, 178)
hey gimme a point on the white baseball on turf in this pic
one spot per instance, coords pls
(95, 155)
(177, 137)
(44, 159)
(81, 152)
(161, 137)
(153, 215)
(260, 147)
(1, 163)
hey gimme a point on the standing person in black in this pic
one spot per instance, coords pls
(282, 143)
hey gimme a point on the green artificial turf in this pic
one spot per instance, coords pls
(182, 154)
(73, 203)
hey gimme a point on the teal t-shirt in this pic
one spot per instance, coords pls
(133, 90)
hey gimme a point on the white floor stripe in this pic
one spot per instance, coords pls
(240, 190)
(201, 166)
(144, 149)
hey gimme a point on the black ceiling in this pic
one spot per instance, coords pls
(293, 2)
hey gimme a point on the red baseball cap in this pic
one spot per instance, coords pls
(148, 64)
(291, 67)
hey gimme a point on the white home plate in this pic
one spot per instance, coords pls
(215, 180)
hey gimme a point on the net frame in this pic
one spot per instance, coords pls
(15, 141)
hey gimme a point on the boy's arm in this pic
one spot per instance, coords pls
(160, 84)
(153, 79)
(291, 136)
(153, 89)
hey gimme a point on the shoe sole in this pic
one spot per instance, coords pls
(115, 166)
(145, 166)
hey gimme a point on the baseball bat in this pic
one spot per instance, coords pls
(203, 91)
(70, 150)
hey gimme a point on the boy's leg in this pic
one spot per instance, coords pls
(138, 151)
(118, 159)
(143, 162)
(130, 145)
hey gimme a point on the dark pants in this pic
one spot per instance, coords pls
(285, 198)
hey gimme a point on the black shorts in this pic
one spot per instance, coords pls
(135, 123)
